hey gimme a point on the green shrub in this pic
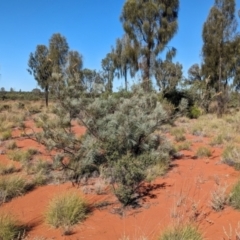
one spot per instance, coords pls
(9, 227)
(66, 210)
(194, 112)
(234, 198)
(203, 152)
(187, 232)
(11, 187)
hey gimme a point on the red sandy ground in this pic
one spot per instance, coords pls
(182, 195)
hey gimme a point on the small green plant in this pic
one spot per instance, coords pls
(9, 227)
(204, 152)
(194, 112)
(66, 210)
(234, 198)
(11, 187)
(231, 156)
(186, 232)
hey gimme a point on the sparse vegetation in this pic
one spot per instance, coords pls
(231, 156)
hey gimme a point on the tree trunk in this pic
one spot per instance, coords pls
(46, 95)
(125, 76)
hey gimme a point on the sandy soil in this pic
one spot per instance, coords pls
(182, 195)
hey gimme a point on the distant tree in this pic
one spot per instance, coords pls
(36, 90)
(40, 66)
(2, 89)
(49, 65)
(151, 24)
(219, 31)
(126, 55)
(12, 89)
(109, 70)
(195, 73)
(168, 75)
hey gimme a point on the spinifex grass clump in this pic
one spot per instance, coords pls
(185, 232)
(234, 199)
(9, 227)
(12, 186)
(203, 152)
(231, 156)
(66, 210)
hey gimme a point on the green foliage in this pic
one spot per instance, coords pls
(234, 198)
(203, 152)
(66, 210)
(185, 232)
(194, 112)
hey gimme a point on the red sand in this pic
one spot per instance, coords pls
(182, 195)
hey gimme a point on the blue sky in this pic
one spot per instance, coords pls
(90, 26)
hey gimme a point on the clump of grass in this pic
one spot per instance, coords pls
(186, 232)
(234, 199)
(19, 156)
(186, 145)
(7, 169)
(218, 140)
(11, 145)
(66, 210)
(231, 156)
(11, 187)
(178, 133)
(9, 227)
(203, 152)
(40, 178)
(218, 198)
(37, 166)
(7, 134)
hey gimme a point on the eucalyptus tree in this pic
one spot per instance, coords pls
(168, 75)
(109, 69)
(49, 64)
(40, 66)
(126, 58)
(151, 24)
(219, 31)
